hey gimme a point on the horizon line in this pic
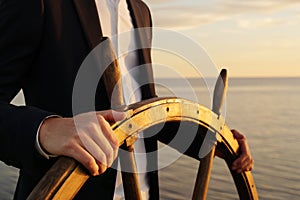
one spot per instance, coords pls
(235, 77)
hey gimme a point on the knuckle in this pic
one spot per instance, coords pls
(238, 161)
(101, 118)
(101, 158)
(69, 145)
(113, 140)
(115, 146)
(102, 169)
(245, 157)
(90, 126)
(104, 122)
(89, 163)
(243, 137)
(109, 155)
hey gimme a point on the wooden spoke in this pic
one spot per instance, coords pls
(205, 167)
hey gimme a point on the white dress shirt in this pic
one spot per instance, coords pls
(115, 19)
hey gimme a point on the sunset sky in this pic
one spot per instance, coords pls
(255, 38)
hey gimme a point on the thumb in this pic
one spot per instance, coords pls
(237, 135)
(112, 116)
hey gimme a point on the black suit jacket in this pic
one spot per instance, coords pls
(42, 45)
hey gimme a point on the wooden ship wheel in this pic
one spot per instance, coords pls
(67, 176)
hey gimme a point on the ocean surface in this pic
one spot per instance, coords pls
(266, 110)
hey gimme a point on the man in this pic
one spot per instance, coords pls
(42, 45)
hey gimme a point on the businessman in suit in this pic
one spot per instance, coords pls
(42, 45)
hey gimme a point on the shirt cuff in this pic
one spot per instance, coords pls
(37, 142)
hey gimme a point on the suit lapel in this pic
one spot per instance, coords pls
(88, 16)
(139, 18)
(135, 13)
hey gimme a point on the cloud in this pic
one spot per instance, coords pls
(256, 5)
(181, 19)
(156, 2)
(260, 23)
(191, 13)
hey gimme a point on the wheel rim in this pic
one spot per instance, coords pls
(67, 176)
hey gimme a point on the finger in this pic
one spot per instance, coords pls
(82, 156)
(112, 116)
(108, 132)
(100, 140)
(102, 168)
(101, 151)
(244, 163)
(245, 166)
(241, 159)
(250, 165)
(110, 137)
(105, 138)
(243, 144)
(237, 134)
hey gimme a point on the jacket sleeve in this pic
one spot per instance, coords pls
(21, 24)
